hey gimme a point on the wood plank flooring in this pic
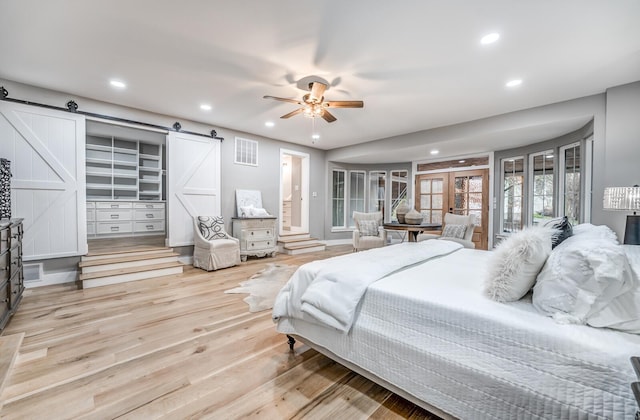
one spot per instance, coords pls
(177, 347)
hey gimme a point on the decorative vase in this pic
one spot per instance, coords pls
(413, 217)
(402, 209)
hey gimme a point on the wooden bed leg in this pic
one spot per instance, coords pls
(291, 341)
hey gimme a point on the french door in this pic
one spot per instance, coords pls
(459, 192)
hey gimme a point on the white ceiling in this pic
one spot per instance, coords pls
(415, 64)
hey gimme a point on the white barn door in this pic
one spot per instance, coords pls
(193, 184)
(47, 153)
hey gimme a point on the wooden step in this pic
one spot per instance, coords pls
(293, 237)
(294, 249)
(9, 348)
(91, 256)
(125, 261)
(301, 241)
(122, 275)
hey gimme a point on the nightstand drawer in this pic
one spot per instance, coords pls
(257, 234)
(106, 215)
(150, 226)
(254, 245)
(146, 214)
(114, 227)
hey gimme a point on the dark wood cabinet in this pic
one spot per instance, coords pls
(11, 273)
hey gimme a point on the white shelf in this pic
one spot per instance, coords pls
(152, 157)
(96, 160)
(99, 147)
(99, 186)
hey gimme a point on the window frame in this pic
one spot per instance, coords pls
(344, 199)
(562, 171)
(524, 205)
(349, 214)
(391, 198)
(531, 182)
(384, 199)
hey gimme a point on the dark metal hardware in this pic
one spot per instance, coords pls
(72, 106)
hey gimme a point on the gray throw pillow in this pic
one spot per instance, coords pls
(564, 229)
(368, 228)
(454, 231)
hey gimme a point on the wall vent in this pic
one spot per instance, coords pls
(246, 152)
(32, 273)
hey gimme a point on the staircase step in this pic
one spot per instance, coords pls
(124, 261)
(294, 249)
(9, 348)
(293, 237)
(139, 251)
(298, 242)
(122, 275)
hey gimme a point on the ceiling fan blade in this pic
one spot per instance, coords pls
(293, 101)
(292, 113)
(317, 90)
(328, 117)
(344, 104)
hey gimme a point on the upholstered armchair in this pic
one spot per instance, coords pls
(213, 247)
(456, 228)
(369, 232)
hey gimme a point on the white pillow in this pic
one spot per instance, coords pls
(246, 211)
(582, 275)
(585, 230)
(259, 212)
(516, 262)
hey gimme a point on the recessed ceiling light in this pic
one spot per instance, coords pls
(514, 83)
(315, 136)
(118, 84)
(462, 161)
(434, 152)
(269, 123)
(490, 38)
(205, 107)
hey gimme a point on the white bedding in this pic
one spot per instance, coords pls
(330, 290)
(429, 331)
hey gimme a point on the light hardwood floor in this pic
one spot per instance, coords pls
(176, 347)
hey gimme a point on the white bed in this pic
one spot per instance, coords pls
(428, 333)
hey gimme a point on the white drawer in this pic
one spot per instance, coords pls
(150, 226)
(91, 205)
(105, 215)
(114, 205)
(91, 228)
(254, 245)
(146, 214)
(257, 234)
(91, 215)
(149, 205)
(114, 227)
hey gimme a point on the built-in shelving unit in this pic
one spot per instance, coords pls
(123, 169)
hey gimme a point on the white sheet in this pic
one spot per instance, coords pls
(330, 290)
(429, 330)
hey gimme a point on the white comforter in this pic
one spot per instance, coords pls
(329, 291)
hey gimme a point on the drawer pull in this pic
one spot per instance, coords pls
(150, 227)
(115, 216)
(115, 228)
(149, 215)
(251, 233)
(114, 206)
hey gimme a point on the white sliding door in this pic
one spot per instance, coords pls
(193, 184)
(47, 151)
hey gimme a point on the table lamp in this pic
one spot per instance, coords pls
(625, 199)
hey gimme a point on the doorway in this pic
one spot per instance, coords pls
(458, 192)
(294, 193)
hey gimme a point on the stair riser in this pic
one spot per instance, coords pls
(128, 264)
(304, 250)
(133, 253)
(122, 278)
(284, 238)
(296, 243)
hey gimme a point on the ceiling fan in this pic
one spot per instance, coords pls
(313, 103)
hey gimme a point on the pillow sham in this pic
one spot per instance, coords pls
(585, 230)
(516, 262)
(245, 211)
(564, 230)
(454, 231)
(581, 277)
(368, 228)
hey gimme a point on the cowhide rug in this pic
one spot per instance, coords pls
(264, 286)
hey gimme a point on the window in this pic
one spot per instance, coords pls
(512, 194)
(399, 182)
(356, 193)
(542, 183)
(377, 191)
(246, 152)
(338, 199)
(570, 185)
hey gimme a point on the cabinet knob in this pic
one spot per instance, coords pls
(149, 215)
(115, 228)
(114, 206)
(149, 227)
(115, 216)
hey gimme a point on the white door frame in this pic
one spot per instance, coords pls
(304, 192)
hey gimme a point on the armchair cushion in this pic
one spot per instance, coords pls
(211, 227)
(454, 231)
(368, 228)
